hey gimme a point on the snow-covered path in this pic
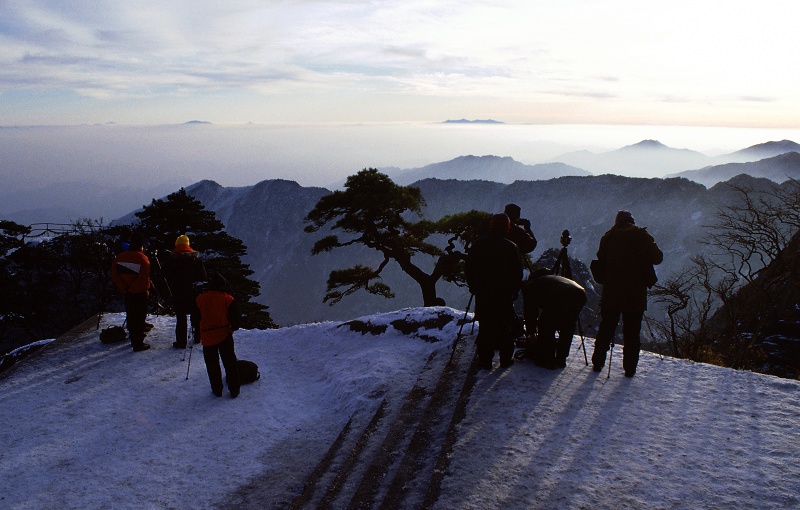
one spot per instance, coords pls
(84, 425)
(677, 435)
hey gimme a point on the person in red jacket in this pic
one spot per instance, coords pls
(219, 318)
(130, 273)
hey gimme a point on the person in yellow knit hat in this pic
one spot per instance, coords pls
(184, 271)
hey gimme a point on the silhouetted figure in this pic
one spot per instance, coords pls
(130, 273)
(185, 270)
(520, 230)
(552, 304)
(625, 258)
(494, 275)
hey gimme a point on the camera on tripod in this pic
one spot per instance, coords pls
(565, 238)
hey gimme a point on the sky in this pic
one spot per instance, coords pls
(686, 63)
(90, 426)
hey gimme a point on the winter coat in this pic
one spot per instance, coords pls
(219, 316)
(524, 240)
(494, 274)
(130, 272)
(628, 253)
(551, 292)
(184, 268)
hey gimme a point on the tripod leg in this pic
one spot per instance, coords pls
(184, 349)
(583, 343)
(610, 357)
(188, 365)
(460, 329)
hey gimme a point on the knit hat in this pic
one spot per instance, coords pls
(182, 240)
(624, 217)
(499, 224)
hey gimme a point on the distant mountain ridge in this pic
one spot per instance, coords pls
(777, 168)
(492, 168)
(763, 150)
(658, 159)
(476, 121)
(650, 156)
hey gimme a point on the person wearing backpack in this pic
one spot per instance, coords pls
(219, 318)
(184, 270)
(130, 273)
(624, 267)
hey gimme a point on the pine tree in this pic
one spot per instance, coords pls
(13, 308)
(164, 220)
(375, 212)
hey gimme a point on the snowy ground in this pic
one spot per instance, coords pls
(86, 425)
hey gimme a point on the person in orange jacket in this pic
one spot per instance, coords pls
(130, 273)
(219, 318)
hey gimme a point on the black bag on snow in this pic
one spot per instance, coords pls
(113, 334)
(248, 371)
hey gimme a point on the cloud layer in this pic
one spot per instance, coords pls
(577, 61)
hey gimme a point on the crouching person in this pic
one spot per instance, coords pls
(219, 318)
(552, 303)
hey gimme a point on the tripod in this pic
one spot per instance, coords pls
(562, 268)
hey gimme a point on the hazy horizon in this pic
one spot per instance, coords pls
(316, 154)
(109, 170)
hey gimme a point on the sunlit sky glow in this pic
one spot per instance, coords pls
(693, 63)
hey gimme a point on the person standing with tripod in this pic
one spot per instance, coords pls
(494, 274)
(624, 267)
(184, 270)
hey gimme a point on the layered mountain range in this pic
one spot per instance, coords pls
(269, 216)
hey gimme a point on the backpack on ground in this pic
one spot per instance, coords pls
(113, 334)
(248, 371)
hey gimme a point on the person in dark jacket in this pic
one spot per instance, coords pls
(219, 318)
(130, 273)
(626, 257)
(552, 303)
(184, 271)
(520, 232)
(494, 274)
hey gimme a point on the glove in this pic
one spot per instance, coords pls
(525, 223)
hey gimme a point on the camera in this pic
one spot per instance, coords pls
(565, 238)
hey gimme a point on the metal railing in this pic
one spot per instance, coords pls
(38, 230)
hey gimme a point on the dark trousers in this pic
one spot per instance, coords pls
(182, 310)
(135, 316)
(631, 327)
(212, 355)
(550, 350)
(494, 333)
